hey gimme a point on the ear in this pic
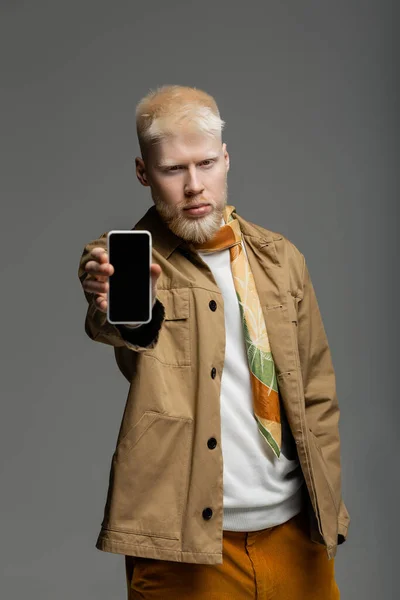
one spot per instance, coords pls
(226, 156)
(141, 171)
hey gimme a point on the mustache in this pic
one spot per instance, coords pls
(184, 205)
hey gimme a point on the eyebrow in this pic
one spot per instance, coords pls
(169, 163)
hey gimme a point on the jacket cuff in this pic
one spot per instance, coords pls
(145, 336)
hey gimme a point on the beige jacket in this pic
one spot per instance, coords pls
(163, 473)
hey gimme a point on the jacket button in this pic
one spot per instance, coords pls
(213, 372)
(207, 514)
(212, 442)
(212, 304)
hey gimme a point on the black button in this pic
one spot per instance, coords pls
(213, 372)
(212, 442)
(212, 304)
(207, 514)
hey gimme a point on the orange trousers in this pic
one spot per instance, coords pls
(278, 563)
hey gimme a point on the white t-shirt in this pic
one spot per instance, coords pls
(260, 490)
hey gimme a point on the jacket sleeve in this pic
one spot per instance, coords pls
(99, 329)
(322, 409)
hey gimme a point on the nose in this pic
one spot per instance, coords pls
(193, 185)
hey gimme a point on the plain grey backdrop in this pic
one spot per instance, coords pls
(309, 92)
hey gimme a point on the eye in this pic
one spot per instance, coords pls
(209, 161)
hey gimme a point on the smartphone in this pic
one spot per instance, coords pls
(129, 292)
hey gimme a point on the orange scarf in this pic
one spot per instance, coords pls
(264, 384)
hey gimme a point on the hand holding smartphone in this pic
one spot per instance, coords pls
(125, 299)
(129, 294)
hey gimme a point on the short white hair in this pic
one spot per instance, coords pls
(173, 108)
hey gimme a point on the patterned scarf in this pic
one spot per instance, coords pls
(264, 384)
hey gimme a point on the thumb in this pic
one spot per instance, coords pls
(155, 271)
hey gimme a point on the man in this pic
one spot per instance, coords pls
(226, 477)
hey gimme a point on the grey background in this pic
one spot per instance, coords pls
(309, 93)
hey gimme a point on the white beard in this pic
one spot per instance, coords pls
(196, 230)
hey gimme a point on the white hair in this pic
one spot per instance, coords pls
(170, 109)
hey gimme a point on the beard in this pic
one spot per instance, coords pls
(192, 229)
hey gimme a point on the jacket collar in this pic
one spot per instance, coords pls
(165, 241)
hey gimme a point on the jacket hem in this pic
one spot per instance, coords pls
(140, 551)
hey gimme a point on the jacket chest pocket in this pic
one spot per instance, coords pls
(173, 346)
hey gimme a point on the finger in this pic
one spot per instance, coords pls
(98, 278)
(96, 286)
(95, 268)
(94, 277)
(99, 253)
(101, 303)
(103, 257)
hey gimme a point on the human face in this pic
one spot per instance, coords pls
(183, 171)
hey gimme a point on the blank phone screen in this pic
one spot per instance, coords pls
(129, 294)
